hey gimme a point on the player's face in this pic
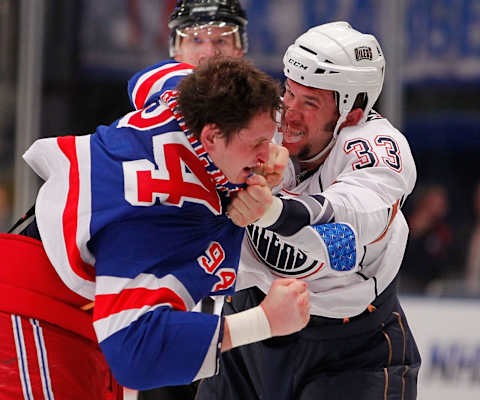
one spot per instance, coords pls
(245, 150)
(197, 44)
(308, 119)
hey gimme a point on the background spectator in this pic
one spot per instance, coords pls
(472, 273)
(429, 249)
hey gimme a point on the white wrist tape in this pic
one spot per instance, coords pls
(248, 326)
(272, 214)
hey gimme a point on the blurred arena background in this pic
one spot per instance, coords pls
(64, 67)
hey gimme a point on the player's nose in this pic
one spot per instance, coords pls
(292, 114)
(263, 154)
(208, 51)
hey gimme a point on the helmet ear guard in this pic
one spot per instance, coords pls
(208, 12)
(336, 57)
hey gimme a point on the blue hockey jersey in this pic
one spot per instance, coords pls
(133, 216)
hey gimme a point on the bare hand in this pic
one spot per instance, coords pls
(287, 306)
(250, 204)
(273, 169)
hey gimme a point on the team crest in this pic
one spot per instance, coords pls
(282, 258)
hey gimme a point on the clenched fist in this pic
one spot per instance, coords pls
(250, 204)
(287, 306)
(274, 168)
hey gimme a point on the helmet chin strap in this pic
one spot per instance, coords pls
(330, 144)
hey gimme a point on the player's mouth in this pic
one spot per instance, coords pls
(292, 136)
(250, 170)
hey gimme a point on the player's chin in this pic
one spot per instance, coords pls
(293, 148)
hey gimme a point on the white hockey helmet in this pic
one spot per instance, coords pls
(336, 57)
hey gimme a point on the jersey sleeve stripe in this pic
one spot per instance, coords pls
(121, 301)
(392, 217)
(108, 326)
(142, 82)
(109, 304)
(155, 80)
(64, 208)
(70, 213)
(84, 213)
(109, 285)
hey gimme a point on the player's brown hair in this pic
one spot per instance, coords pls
(226, 92)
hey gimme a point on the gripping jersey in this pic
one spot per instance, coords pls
(350, 261)
(133, 216)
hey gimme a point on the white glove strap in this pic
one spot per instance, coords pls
(272, 214)
(248, 326)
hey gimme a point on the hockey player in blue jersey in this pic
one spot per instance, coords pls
(135, 217)
(199, 30)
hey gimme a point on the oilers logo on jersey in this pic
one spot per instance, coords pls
(282, 257)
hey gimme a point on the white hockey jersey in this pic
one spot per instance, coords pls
(365, 178)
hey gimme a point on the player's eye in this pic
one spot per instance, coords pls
(288, 92)
(261, 143)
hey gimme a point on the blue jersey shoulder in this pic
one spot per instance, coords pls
(146, 86)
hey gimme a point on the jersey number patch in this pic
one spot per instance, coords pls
(210, 263)
(180, 176)
(368, 155)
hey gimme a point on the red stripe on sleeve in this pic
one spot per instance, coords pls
(145, 86)
(69, 219)
(108, 304)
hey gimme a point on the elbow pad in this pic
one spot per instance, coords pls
(310, 253)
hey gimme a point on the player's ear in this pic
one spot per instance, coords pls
(209, 137)
(353, 117)
(237, 53)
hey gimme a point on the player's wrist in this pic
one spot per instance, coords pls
(272, 215)
(248, 326)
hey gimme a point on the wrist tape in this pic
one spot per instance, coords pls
(272, 214)
(248, 326)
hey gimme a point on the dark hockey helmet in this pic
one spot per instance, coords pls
(208, 12)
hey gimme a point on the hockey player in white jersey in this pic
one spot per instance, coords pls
(338, 225)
